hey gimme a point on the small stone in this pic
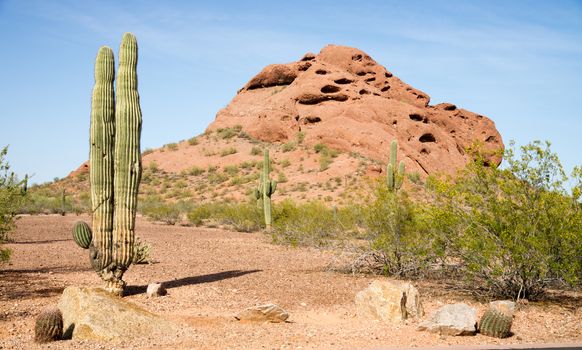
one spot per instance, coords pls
(453, 319)
(156, 290)
(263, 313)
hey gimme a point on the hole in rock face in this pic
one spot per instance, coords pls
(321, 72)
(385, 88)
(394, 122)
(343, 81)
(310, 99)
(361, 73)
(416, 117)
(357, 57)
(328, 89)
(388, 75)
(364, 92)
(296, 118)
(491, 138)
(311, 120)
(424, 151)
(370, 80)
(428, 137)
(452, 131)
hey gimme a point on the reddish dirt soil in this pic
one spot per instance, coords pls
(212, 274)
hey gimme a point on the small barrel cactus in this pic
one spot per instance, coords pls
(82, 234)
(495, 323)
(49, 326)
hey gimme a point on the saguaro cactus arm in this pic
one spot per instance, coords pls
(127, 153)
(101, 142)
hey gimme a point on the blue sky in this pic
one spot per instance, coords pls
(517, 62)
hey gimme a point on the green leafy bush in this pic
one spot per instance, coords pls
(311, 223)
(394, 226)
(12, 194)
(514, 229)
(156, 209)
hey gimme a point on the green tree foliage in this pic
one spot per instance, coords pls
(399, 241)
(12, 193)
(513, 229)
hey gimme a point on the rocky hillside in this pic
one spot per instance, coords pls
(328, 120)
(343, 98)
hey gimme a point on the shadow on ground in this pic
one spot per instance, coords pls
(186, 281)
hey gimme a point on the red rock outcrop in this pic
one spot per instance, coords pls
(343, 98)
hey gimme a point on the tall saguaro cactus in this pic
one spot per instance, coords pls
(266, 188)
(115, 162)
(127, 153)
(394, 177)
(101, 155)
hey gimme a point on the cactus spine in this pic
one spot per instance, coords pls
(82, 234)
(115, 162)
(394, 177)
(495, 323)
(48, 326)
(266, 188)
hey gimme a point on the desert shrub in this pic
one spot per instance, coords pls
(154, 208)
(141, 252)
(392, 223)
(289, 146)
(231, 170)
(324, 162)
(195, 171)
(243, 217)
(228, 133)
(198, 214)
(281, 178)
(11, 196)
(285, 163)
(171, 146)
(300, 137)
(193, 141)
(228, 151)
(311, 223)
(514, 229)
(255, 151)
(147, 151)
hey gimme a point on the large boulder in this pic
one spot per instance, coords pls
(389, 301)
(93, 313)
(345, 99)
(453, 319)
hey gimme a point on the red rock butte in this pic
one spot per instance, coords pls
(343, 98)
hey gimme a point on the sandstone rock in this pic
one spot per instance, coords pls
(92, 313)
(263, 313)
(453, 319)
(389, 301)
(156, 290)
(345, 99)
(505, 306)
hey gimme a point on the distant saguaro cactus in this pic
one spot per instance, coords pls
(266, 188)
(115, 162)
(394, 177)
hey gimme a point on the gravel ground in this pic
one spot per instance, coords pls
(211, 274)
